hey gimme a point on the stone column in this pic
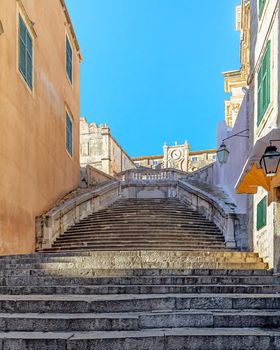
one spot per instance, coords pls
(229, 234)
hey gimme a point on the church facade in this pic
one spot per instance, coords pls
(177, 157)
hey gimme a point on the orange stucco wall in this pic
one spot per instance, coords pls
(35, 168)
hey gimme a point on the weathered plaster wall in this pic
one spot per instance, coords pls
(35, 169)
(226, 175)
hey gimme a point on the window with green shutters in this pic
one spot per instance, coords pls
(69, 58)
(25, 53)
(264, 84)
(261, 213)
(69, 142)
(261, 7)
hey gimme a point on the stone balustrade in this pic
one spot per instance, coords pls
(52, 224)
(136, 175)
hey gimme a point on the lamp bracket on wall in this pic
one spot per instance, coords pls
(239, 133)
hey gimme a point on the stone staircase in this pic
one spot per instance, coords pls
(193, 295)
(146, 224)
(87, 300)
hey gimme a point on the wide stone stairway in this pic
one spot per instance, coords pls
(133, 224)
(140, 275)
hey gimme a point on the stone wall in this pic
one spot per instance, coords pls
(53, 223)
(91, 176)
(100, 150)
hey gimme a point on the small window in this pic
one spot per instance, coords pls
(25, 53)
(69, 58)
(261, 213)
(261, 7)
(264, 84)
(69, 142)
(214, 157)
(194, 159)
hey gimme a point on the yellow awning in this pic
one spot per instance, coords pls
(252, 180)
(252, 175)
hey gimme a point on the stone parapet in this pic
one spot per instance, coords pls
(216, 210)
(52, 224)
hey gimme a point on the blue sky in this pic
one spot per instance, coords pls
(152, 69)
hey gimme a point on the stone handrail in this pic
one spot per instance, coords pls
(212, 208)
(56, 221)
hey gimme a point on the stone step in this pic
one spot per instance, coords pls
(150, 228)
(138, 289)
(85, 266)
(81, 255)
(159, 339)
(111, 239)
(135, 302)
(61, 279)
(55, 322)
(136, 227)
(112, 234)
(125, 245)
(91, 262)
(146, 218)
(145, 232)
(142, 215)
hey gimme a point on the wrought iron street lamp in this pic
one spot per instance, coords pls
(270, 160)
(223, 152)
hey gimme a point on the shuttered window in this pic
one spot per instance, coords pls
(261, 7)
(261, 213)
(25, 52)
(69, 142)
(69, 57)
(264, 84)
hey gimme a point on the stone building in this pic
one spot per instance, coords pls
(257, 121)
(236, 80)
(39, 115)
(178, 157)
(264, 123)
(99, 149)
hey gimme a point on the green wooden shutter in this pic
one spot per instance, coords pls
(69, 142)
(69, 58)
(267, 76)
(29, 60)
(22, 48)
(261, 7)
(261, 213)
(264, 84)
(259, 95)
(25, 48)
